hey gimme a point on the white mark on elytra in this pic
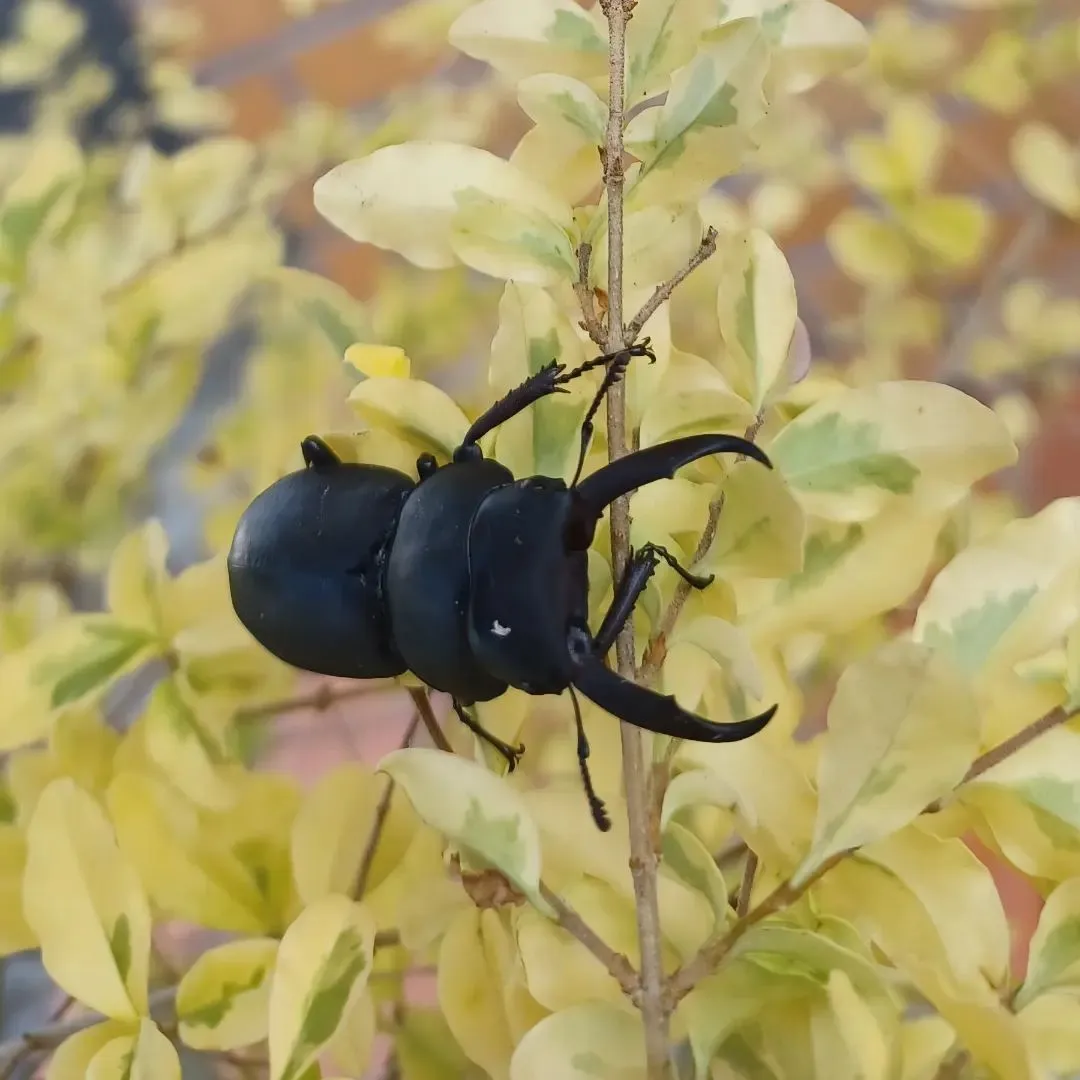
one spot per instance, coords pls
(499, 630)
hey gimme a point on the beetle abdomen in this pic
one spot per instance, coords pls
(427, 579)
(305, 569)
(526, 589)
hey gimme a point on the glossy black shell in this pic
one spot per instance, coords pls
(427, 579)
(306, 569)
(526, 588)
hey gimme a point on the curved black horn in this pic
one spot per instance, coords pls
(647, 709)
(659, 462)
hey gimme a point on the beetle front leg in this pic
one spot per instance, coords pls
(550, 379)
(639, 569)
(511, 753)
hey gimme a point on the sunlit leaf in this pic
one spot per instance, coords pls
(473, 807)
(903, 730)
(85, 904)
(323, 965)
(223, 999)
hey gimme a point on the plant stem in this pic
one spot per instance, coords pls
(422, 701)
(663, 292)
(643, 855)
(746, 888)
(382, 811)
(320, 700)
(616, 963)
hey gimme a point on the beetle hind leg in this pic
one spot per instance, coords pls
(511, 753)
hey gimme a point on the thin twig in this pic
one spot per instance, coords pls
(952, 1068)
(746, 888)
(784, 895)
(589, 320)
(22, 1048)
(1019, 251)
(616, 963)
(656, 650)
(422, 702)
(663, 292)
(319, 700)
(714, 952)
(644, 858)
(382, 811)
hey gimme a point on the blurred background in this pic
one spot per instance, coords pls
(929, 205)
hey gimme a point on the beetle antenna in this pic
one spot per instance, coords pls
(596, 804)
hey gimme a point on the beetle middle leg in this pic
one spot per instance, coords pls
(511, 753)
(639, 569)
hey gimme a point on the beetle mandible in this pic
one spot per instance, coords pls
(471, 579)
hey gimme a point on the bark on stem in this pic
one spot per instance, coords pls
(636, 775)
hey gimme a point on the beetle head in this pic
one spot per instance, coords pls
(306, 562)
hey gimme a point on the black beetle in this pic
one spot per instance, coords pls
(470, 579)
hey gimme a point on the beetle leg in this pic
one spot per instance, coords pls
(596, 804)
(647, 709)
(511, 753)
(550, 379)
(639, 569)
(659, 462)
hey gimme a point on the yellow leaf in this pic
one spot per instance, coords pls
(83, 900)
(658, 242)
(903, 730)
(407, 198)
(524, 37)
(816, 39)
(997, 77)
(1051, 1027)
(146, 1055)
(907, 159)
(728, 647)
(1009, 597)
(559, 101)
(15, 933)
(869, 250)
(924, 1042)
(417, 410)
(475, 809)
(378, 360)
(762, 528)
(560, 971)
(952, 228)
(351, 1047)
(775, 814)
(469, 994)
(862, 1034)
(1048, 167)
(223, 1000)
(847, 456)
(661, 37)
(189, 738)
(188, 872)
(699, 133)
(581, 1043)
(567, 167)
(940, 873)
(758, 315)
(71, 1059)
(322, 968)
(74, 661)
(332, 829)
(687, 857)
